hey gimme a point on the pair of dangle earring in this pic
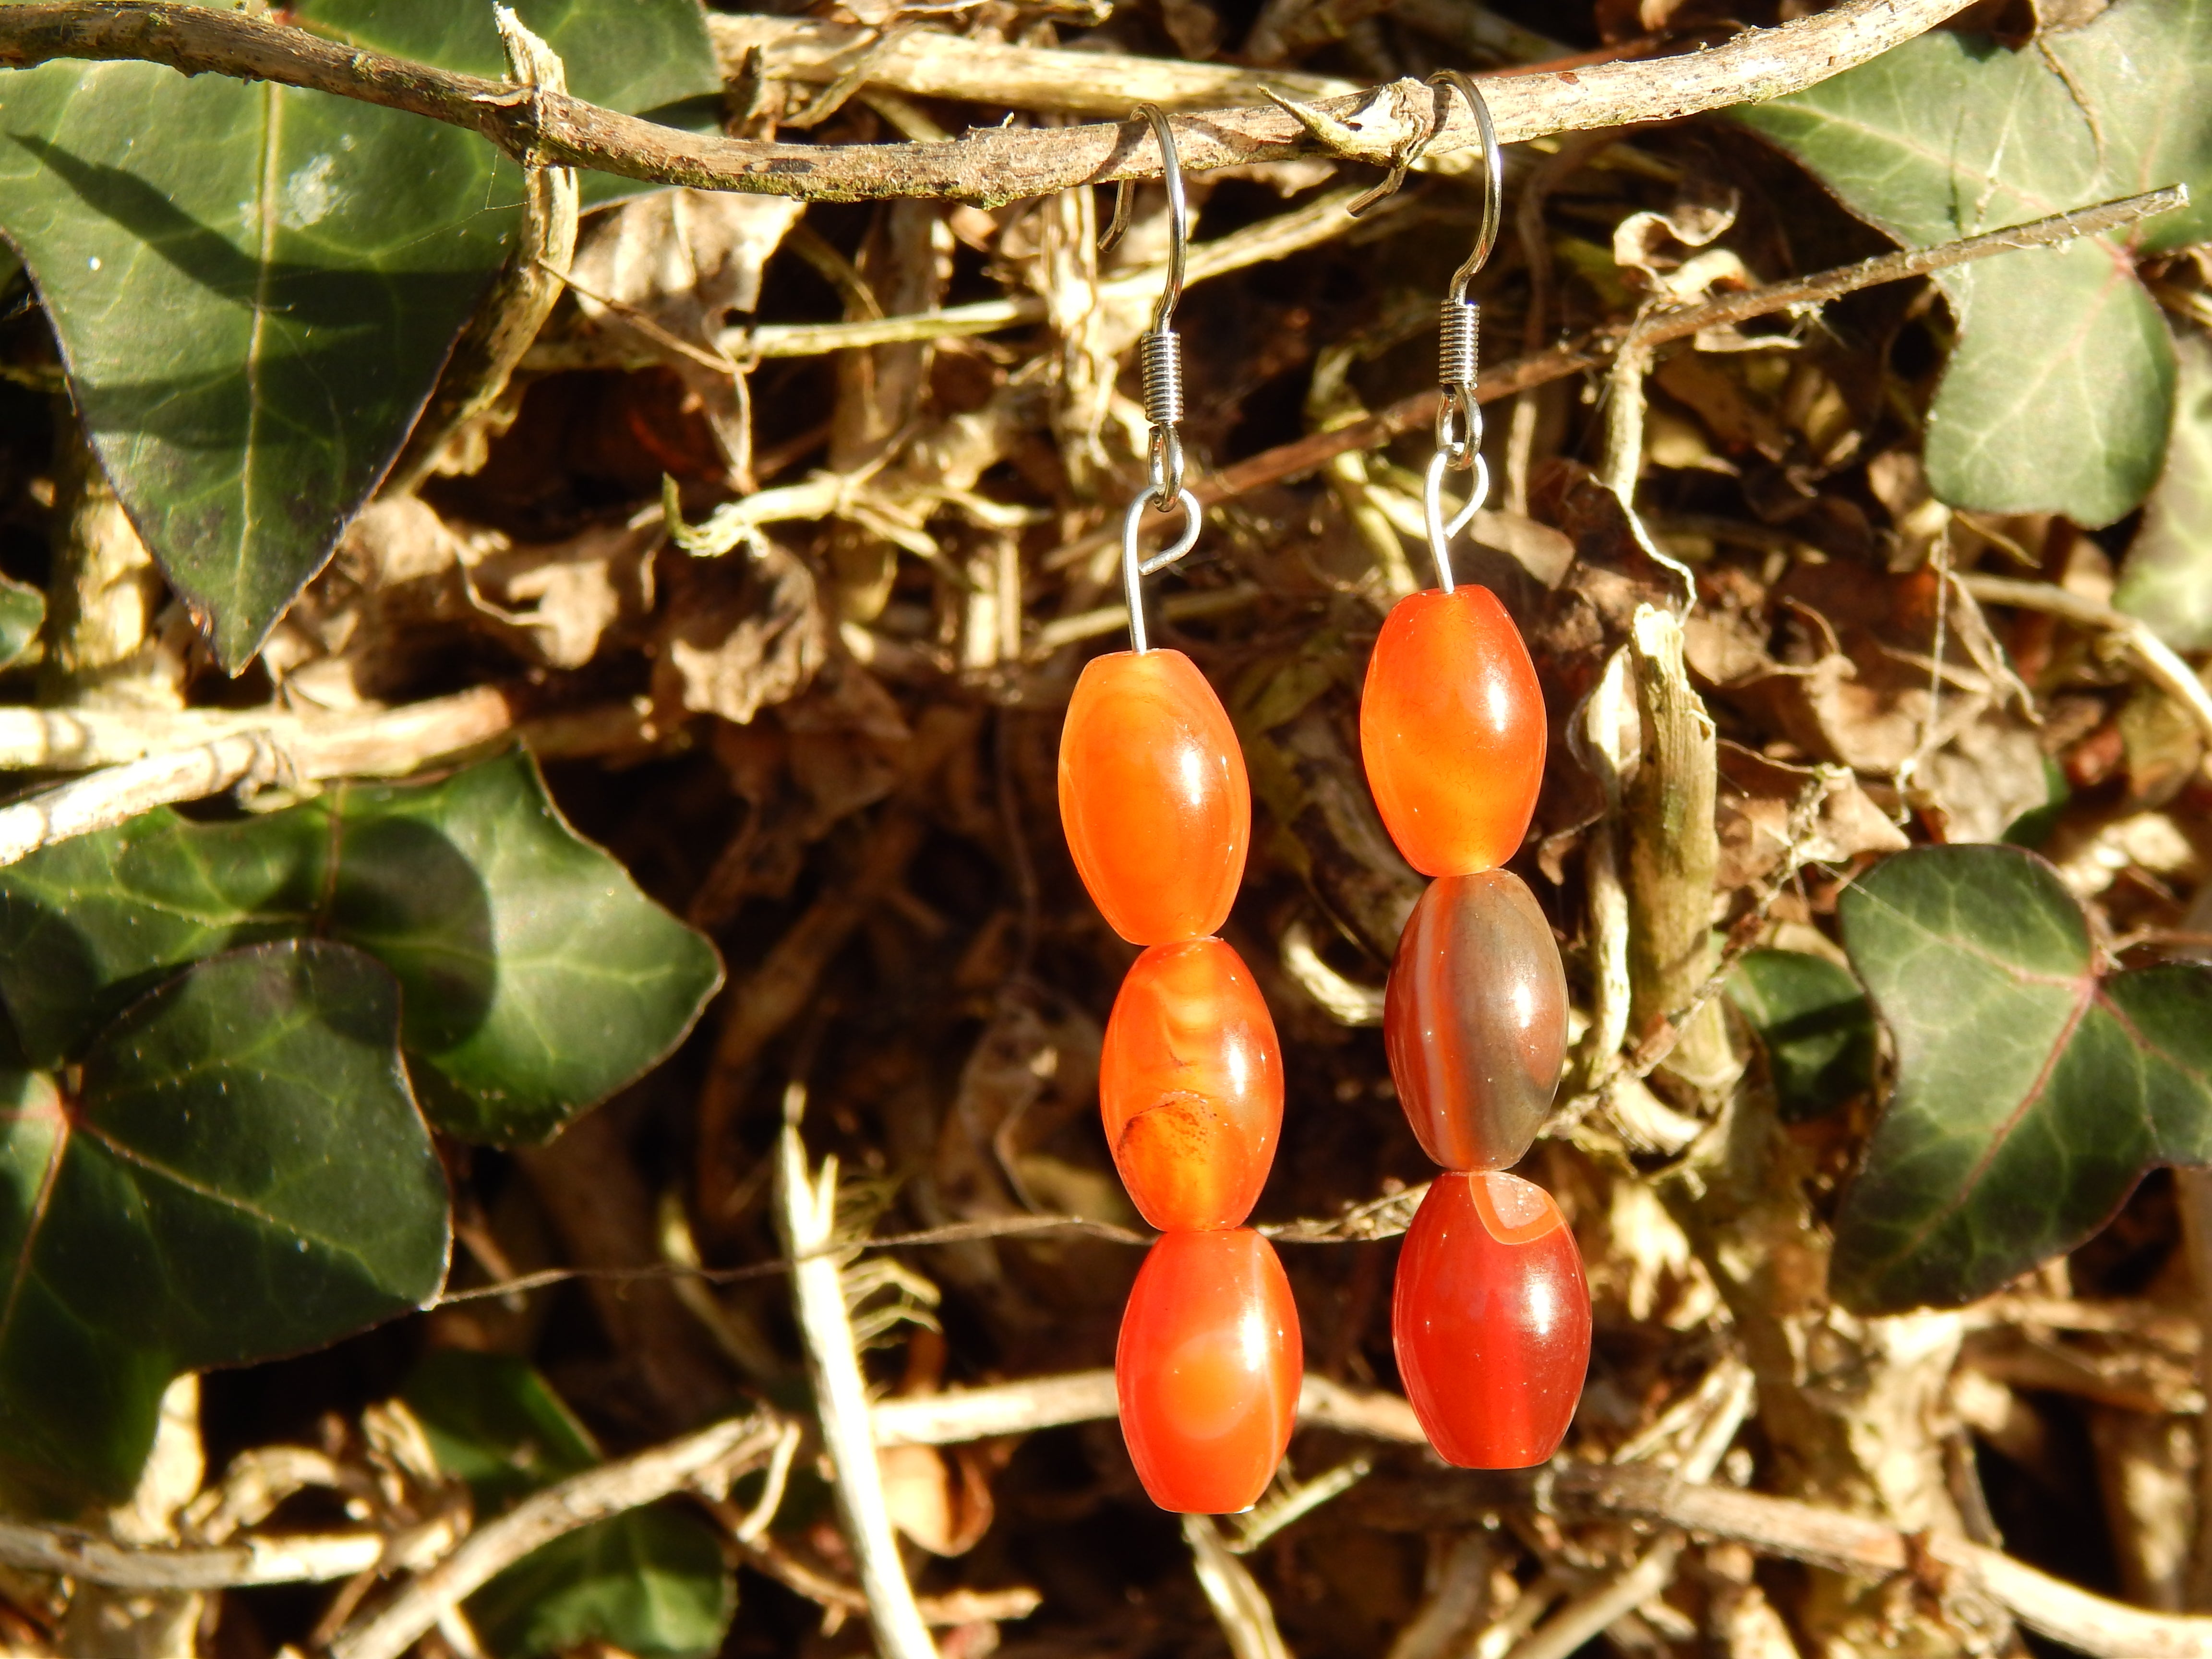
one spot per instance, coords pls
(1491, 1314)
(1158, 812)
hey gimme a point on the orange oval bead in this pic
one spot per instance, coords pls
(1491, 1320)
(1207, 1370)
(1190, 1085)
(1153, 796)
(1475, 1019)
(1451, 727)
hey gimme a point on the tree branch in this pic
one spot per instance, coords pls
(269, 746)
(990, 165)
(300, 1558)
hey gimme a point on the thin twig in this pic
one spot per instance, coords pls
(959, 1606)
(1240, 1605)
(990, 165)
(930, 64)
(1273, 1513)
(1050, 1403)
(2162, 664)
(299, 1559)
(274, 749)
(960, 1232)
(808, 1213)
(1586, 1616)
(709, 1459)
(1866, 1549)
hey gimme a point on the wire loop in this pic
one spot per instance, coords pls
(1441, 529)
(1135, 566)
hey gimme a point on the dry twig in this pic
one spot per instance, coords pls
(989, 166)
(267, 748)
(808, 1205)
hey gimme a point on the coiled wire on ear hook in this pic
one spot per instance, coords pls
(1459, 417)
(1159, 361)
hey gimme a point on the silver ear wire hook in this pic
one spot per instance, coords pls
(1159, 357)
(1459, 417)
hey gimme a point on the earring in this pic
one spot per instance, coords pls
(1157, 812)
(1492, 1313)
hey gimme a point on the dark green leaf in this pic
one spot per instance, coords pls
(2031, 1092)
(1813, 1022)
(650, 1582)
(242, 1174)
(23, 613)
(537, 979)
(655, 59)
(254, 287)
(2059, 392)
(494, 1422)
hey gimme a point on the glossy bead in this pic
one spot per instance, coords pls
(1493, 1320)
(1153, 796)
(1476, 1020)
(1190, 1085)
(1451, 726)
(1208, 1370)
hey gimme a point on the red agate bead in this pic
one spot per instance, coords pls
(1451, 727)
(1153, 796)
(1208, 1369)
(1476, 1020)
(1492, 1316)
(1190, 1085)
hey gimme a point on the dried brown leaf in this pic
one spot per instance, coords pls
(1753, 809)
(741, 636)
(563, 598)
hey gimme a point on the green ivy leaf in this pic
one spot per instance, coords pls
(2168, 579)
(241, 1173)
(23, 613)
(2060, 391)
(537, 979)
(493, 1421)
(652, 1582)
(2032, 1091)
(254, 287)
(1813, 1022)
(655, 59)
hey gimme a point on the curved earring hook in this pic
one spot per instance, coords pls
(1178, 214)
(1159, 356)
(1493, 172)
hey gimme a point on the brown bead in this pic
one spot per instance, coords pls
(1476, 1020)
